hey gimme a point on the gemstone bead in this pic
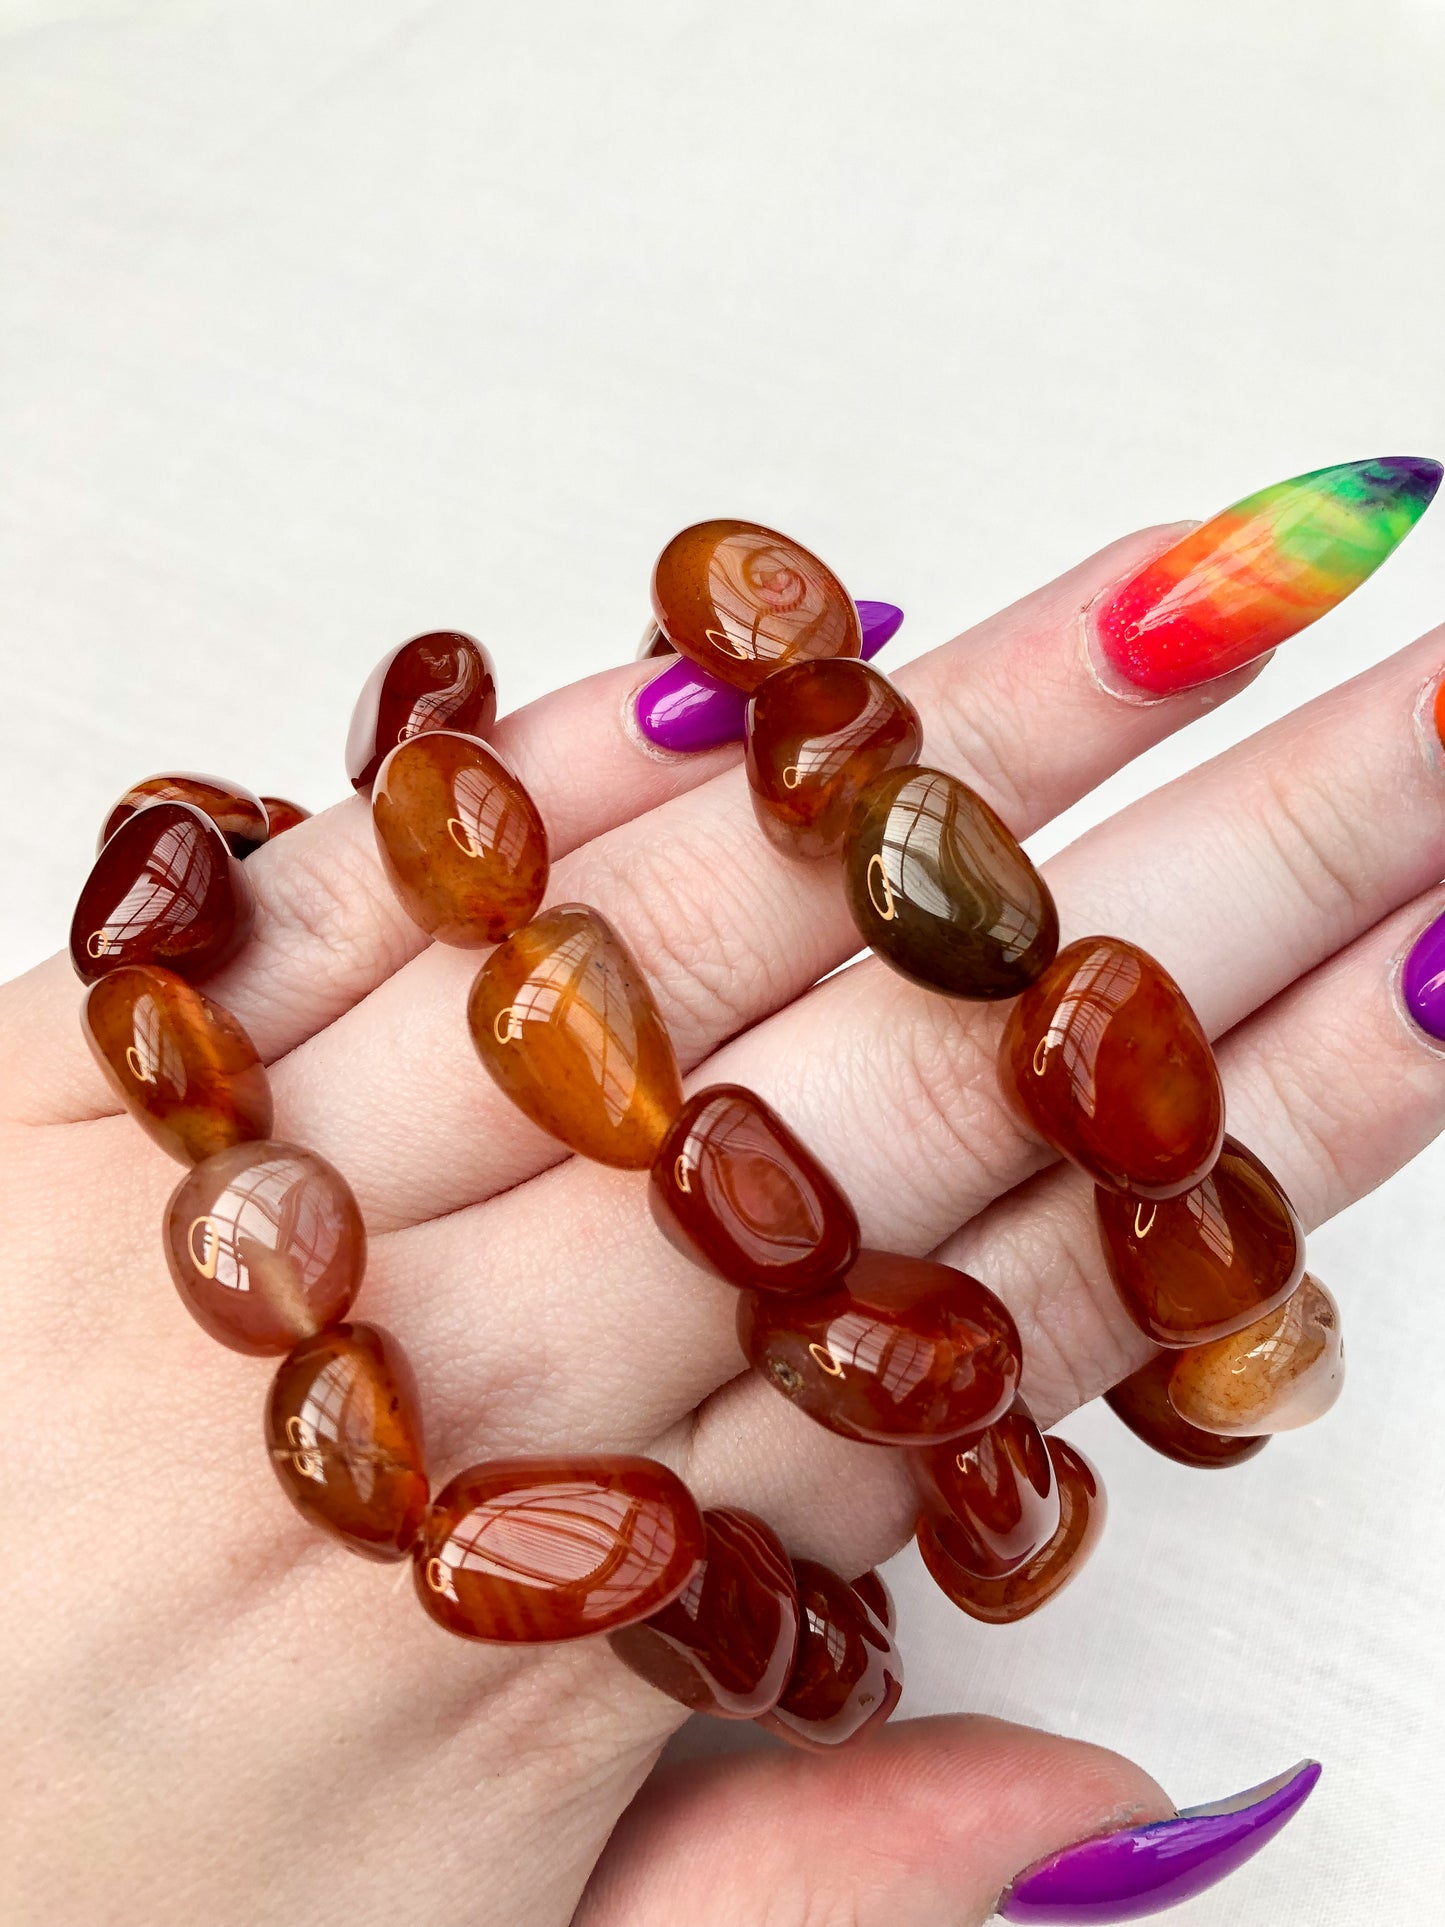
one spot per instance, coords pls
(183, 1067)
(1209, 1261)
(1285, 1370)
(238, 813)
(164, 890)
(900, 1350)
(992, 1501)
(726, 1644)
(555, 1548)
(461, 841)
(738, 1194)
(1142, 1402)
(266, 1245)
(282, 815)
(442, 680)
(564, 1020)
(1106, 1062)
(343, 1427)
(942, 892)
(873, 1591)
(742, 601)
(847, 1676)
(818, 734)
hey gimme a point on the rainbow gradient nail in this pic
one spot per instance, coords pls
(1271, 565)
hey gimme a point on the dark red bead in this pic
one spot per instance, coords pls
(874, 1593)
(282, 815)
(1142, 1401)
(847, 1676)
(442, 680)
(993, 1501)
(238, 813)
(165, 890)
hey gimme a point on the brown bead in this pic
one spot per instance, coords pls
(266, 1245)
(282, 815)
(847, 1677)
(554, 1548)
(238, 813)
(1000, 1602)
(1209, 1261)
(726, 1644)
(164, 890)
(742, 601)
(818, 734)
(442, 680)
(873, 1591)
(462, 843)
(1106, 1062)
(1285, 1370)
(343, 1425)
(564, 1020)
(1142, 1402)
(901, 1350)
(183, 1067)
(993, 1500)
(738, 1194)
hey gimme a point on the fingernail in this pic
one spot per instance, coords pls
(1143, 1870)
(1237, 586)
(686, 708)
(1422, 980)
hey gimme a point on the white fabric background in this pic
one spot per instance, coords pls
(326, 321)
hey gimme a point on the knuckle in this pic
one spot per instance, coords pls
(326, 907)
(1312, 835)
(984, 743)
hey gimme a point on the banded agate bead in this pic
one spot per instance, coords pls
(183, 1067)
(1106, 1062)
(1208, 1262)
(1285, 1370)
(901, 1350)
(1142, 1402)
(164, 890)
(733, 1190)
(461, 841)
(564, 1021)
(343, 1427)
(282, 815)
(872, 1589)
(742, 601)
(238, 813)
(442, 680)
(726, 1644)
(847, 1677)
(525, 1550)
(992, 1501)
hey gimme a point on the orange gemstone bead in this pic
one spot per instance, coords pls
(1104, 1059)
(847, 1676)
(899, 1351)
(266, 1245)
(742, 601)
(1285, 1370)
(164, 890)
(282, 815)
(462, 843)
(726, 1644)
(343, 1426)
(183, 1067)
(1142, 1402)
(238, 813)
(993, 1500)
(563, 1019)
(872, 1589)
(442, 680)
(555, 1548)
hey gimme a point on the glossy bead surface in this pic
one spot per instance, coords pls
(266, 1245)
(165, 890)
(238, 813)
(343, 1428)
(1208, 1262)
(183, 1067)
(564, 1021)
(1142, 1402)
(993, 1500)
(818, 734)
(899, 1351)
(872, 1589)
(461, 841)
(282, 815)
(442, 680)
(738, 1194)
(847, 1676)
(742, 601)
(726, 1644)
(554, 1548)
(1104, 1059)
(1285, 1370)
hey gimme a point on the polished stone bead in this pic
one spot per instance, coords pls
(1285, 1370)
(1142, 1402)
(183, 1067)
(726, 1644)
(343, 1426)
(564, 1020)
(847, 1676)
(901, 1350)
(1209, 1261)
(818, 734)
(266, 1245)
(742, 601)
(554, 1548)
(165, 890)
(1000, 1602)
(461, 841)
(992, 1500)
(442, 680)
(738, 1194)
(282, 815)
(1106, 1062)
(872, 1589)
(238, 813)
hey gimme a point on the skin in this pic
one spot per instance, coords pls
(211, 1714)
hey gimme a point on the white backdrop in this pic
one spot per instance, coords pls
(326, 321)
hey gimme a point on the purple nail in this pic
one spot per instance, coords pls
(686, 708)
(1143, 1870)
(1422, 981)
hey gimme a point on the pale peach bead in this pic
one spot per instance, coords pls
(1283, 1371)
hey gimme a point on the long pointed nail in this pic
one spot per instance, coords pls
(1237, 586)
(1422, 980)
(1141, 1871)
(685, 708)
